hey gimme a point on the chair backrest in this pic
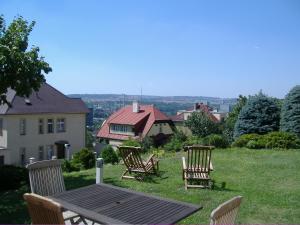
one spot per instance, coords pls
(198, 158)
(131, 157)
(226, 212)
(43, 210)
(46, 177)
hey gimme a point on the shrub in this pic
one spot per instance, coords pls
(146, 144)
(256, 144)
(70, 166)
(281, 140)
(290, 112)
(13, 177)
(274, 139)
(173, 145)
(131, 142)
(192, 140)
(179, 135)
(260, 115)
(243, 140)
(85, 158)
(109, 155)
(216, 140)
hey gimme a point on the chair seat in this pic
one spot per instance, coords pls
(195, 175)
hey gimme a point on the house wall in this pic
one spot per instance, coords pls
(74, 134)
(115, 143)
(180, 127)
(155, 129)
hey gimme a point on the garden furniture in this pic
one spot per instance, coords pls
(196, 169)
(107, 204)
(43, 210)
(46, 179)
(226, 213)
(133, 161)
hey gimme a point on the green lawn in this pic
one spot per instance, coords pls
(269, 180)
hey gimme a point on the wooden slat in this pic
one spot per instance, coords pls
(108, 204)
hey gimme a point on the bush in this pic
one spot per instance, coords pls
(258, 144)
(85, 159)
(13, 177)
(131, 142)
(281, 140)
(70, 166)
(243, 140)
(193, 140)
(173, 145)
(147, 143)
(109, 155)
(216, 140)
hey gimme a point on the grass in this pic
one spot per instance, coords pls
(269, 180)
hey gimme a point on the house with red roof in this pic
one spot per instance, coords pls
(182, 115)
(136, 122)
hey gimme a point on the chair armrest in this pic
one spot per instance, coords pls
(183, 163)
(211, 168)
(151, 157)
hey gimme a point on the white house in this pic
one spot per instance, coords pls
(41, 126)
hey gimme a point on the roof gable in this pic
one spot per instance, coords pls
(46, 100)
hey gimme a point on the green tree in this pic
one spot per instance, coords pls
(232, 118)
(200, 124)
(260, 115)
(290, 112)
(109, 155)
(20, 69)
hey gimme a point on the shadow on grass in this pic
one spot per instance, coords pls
(73, 182)
(12, 207)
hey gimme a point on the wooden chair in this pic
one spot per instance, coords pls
(46, 178)
(132, 159)
(226, 213)
(198, 166)
(43, 210)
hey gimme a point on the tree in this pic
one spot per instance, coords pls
(232, 118)
(200, 124)
(20, 69)
(290, 113)
(260, 115)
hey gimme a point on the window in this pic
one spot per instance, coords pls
(60, 125)
(41, 126)
(50, 151)
(23, 156)
(41, 152)
(2, 160)
(50, 126)
(160, 128)
(1, 127)
(120, 128)
(22, 126)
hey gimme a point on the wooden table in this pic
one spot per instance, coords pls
(114, 205)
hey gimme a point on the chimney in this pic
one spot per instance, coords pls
(135, 107)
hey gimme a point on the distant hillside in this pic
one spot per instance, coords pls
(150, 98)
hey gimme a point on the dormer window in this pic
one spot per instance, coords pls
(119, 128)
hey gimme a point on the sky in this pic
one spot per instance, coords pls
(166, 47)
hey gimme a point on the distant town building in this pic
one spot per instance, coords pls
(41, 126)
(136, 122)
(182, 115)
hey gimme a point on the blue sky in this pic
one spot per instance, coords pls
(167, 47)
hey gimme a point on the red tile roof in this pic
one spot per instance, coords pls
(126, 116)
(199, 107)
